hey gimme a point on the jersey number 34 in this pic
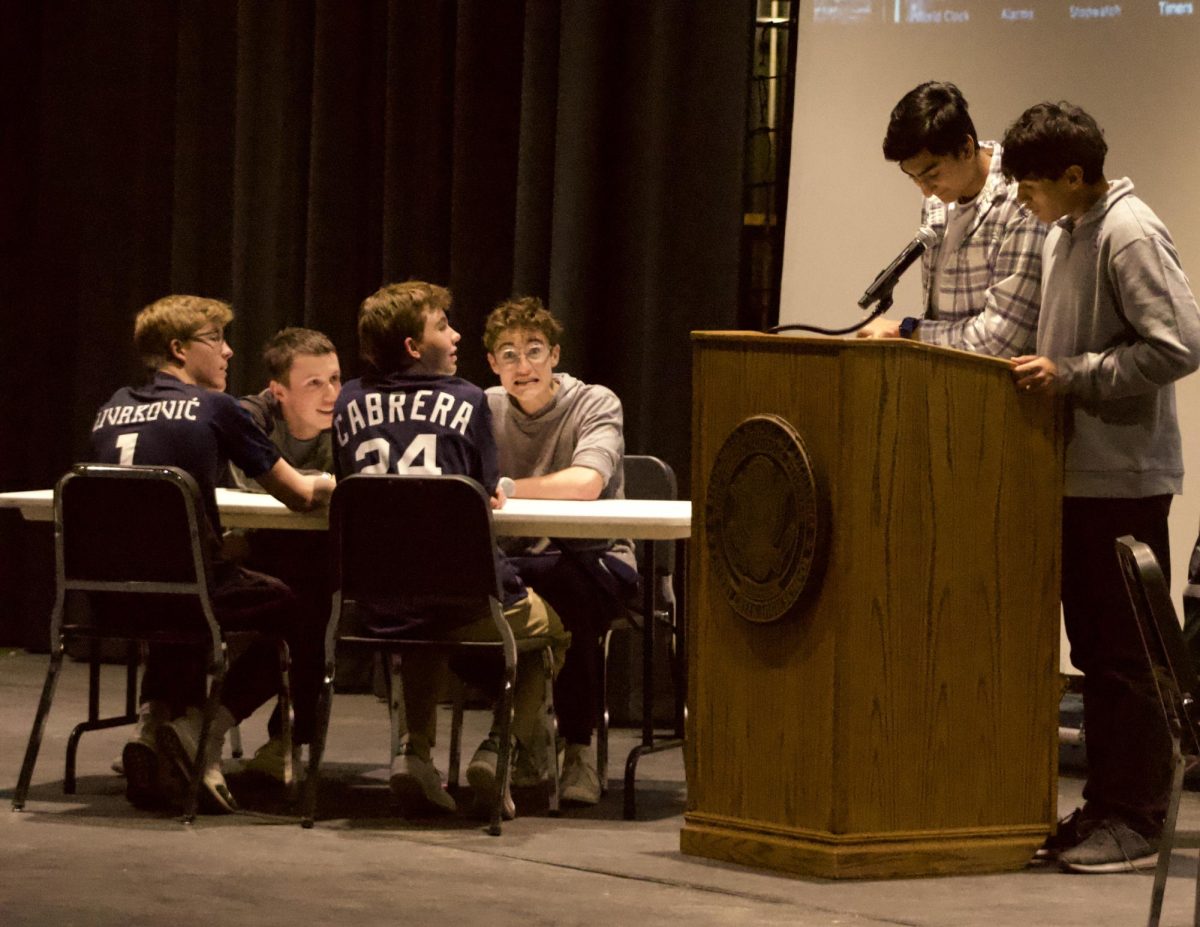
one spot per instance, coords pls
(419, 457)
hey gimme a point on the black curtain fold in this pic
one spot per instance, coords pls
(293, 156)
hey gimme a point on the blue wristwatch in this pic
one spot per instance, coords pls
(908, 326)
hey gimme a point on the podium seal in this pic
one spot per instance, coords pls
(766, 519)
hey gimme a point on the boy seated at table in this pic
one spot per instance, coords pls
(183, 418)
(295, 412)
(409, 352)
(561, 438)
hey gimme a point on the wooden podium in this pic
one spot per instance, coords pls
(901, 717)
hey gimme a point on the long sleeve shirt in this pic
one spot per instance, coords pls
(1120, 321)
(989, 289)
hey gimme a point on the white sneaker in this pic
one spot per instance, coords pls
(177, 743)
(271, 760)
(481, 776)
(416, 782)
(580, 783)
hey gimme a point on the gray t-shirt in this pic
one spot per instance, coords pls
(581, 426)
(310, 455)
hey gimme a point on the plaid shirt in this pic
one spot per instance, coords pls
(989, 291)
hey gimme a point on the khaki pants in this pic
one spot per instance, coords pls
(422, 674)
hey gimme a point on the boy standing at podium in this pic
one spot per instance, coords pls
(1118, 326)
(980, 280)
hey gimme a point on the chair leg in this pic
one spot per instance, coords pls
(287, 717)
(456, 724)
(235, 742)
(92, 717)
(399, 722)
(503, 764)
(316, 749)
(602, 713)
(39, 728)
(191, 801)
(550, 722)
(94, 722)
(1167, 839)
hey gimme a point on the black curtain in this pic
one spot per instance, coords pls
(292, 156)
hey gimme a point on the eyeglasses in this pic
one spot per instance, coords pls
(534, 353)
(216, 339)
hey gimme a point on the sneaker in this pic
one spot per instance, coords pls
(139, 764)
(417, 784)
(580, 783)
(271, 761)
(1112, 846)
(150, 716)
(177, 745)
(1071, 831)
(531, 764)
(481, 776)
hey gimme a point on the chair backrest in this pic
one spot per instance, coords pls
(649, 477)
(417, 539)
(135, 530)
(1158, 623)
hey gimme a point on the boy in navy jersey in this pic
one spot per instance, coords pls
(410, 414)
(183, 418)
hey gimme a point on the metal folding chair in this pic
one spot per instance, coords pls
(417, 543)
(137, 537)
(1177, 686)
(647, 477)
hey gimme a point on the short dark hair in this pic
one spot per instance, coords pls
(279, 353)
(390, 315)
(524, 313)
(932, 117)
(1048, 138)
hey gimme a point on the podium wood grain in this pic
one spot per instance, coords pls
(902, 721)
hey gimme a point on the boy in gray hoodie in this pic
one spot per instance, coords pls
(561, 438)
(1118, 326)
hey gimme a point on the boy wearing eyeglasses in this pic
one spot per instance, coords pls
(184, 418)
(561, 438)
(409, 413)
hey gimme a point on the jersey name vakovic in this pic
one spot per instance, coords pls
(131, 413)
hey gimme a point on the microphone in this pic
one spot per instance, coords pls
(883, 285)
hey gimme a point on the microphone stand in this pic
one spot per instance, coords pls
(884, 304)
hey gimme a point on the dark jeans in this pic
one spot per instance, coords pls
(587, 596)
(247, 600)
(1128, 745)
(301, 560)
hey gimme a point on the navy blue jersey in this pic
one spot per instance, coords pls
(418, 423)
(415, 423)
(172, 423)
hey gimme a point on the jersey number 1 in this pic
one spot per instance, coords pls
(125, 444)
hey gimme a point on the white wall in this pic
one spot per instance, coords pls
(850, 212)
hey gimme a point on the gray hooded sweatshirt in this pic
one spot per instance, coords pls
(1119, 319)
